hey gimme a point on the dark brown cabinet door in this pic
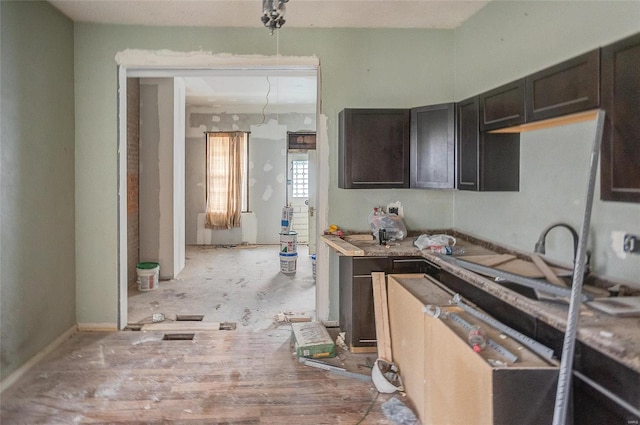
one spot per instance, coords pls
(433, 146)
(357, 315)
(373, 147)
(620, 94)
(502, 106)
(486, 161)
(468, 144)
(566, 88)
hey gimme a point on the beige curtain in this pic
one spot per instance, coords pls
(225, 167)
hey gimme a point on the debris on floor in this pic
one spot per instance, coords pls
(386, 377)
(334, 369)
(312, 340)
(290, 317)
(340, 341)
(398, 412)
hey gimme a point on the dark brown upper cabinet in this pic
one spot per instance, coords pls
(620, 94)
(373, 148)
(502, 106)
(566, 88)
(468, 144)
(486, 161)
(433, 146)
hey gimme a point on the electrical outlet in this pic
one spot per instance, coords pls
(631, 244)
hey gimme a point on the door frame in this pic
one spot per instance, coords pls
(152, 64)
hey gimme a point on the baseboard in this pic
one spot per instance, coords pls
(18, 373)
(97, 327)
(331, 323)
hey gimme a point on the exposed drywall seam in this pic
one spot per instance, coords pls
(163, 59)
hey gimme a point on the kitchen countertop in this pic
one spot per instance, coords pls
(617, 337)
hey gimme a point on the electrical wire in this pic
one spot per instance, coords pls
(368, 409)
(264, 117)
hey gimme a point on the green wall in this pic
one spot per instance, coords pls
(506, 41)
(37, 270)
(360, 68)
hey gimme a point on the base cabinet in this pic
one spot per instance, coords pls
(449, 383)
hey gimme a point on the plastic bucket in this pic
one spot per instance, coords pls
(289, 242)
(313, 265)
(288, 262)
(148, 276)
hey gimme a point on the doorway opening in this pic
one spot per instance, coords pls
(199, 118)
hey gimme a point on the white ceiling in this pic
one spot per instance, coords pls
(295, 89)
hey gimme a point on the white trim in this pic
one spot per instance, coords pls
(322, 220)
(122, 143)
(22, 370)
(97, 327)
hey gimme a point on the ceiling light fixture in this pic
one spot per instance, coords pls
(273, 14)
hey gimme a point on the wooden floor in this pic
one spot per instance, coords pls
(221, 377)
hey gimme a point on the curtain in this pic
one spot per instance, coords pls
(225, 168)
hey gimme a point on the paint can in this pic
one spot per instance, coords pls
(289, 242)
(148, 276)
(288, 262)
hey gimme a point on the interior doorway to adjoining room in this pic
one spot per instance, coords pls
(155, 73)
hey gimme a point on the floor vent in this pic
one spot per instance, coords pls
(189, 317)
(178, 337)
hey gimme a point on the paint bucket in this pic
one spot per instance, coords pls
(313, 265)
(148, 276)
(288, 242)
(288, 262)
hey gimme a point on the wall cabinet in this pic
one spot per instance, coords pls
(620, 93)
(486, 161)
(357, 315)
(373, 147)
(433, 146)
(502, 106)
(566, 88)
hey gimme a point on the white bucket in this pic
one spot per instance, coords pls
(148, 276)
(288, 262)
(289, 242)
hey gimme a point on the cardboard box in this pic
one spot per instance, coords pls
(312, 340)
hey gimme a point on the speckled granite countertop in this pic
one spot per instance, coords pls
(617, 337)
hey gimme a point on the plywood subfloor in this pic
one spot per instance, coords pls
(242, 284)
(221, 377)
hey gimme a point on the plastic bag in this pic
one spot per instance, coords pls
(391, 223)
(435, 243)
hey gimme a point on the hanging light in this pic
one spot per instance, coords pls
(273, 14)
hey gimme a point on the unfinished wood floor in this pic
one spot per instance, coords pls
(221, 377)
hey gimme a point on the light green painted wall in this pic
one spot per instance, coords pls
(37, 270)
(360, 68)
(506, 41)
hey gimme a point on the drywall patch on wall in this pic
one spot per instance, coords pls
(267, 166)
(268, 193)
(617, 243)
(152, 59)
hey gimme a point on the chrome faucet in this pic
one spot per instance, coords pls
(540, 245)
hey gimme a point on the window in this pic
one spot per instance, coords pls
(226, 179)
(300, 178)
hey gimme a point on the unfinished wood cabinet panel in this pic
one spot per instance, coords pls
(449, 383)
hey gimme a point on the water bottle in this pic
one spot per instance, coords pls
(477, 340)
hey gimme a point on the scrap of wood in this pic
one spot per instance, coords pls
(181, 326)
(291, 318)
(380, 304)
(546, 270)
(342, 246)
(490, 260)
(359, 237)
